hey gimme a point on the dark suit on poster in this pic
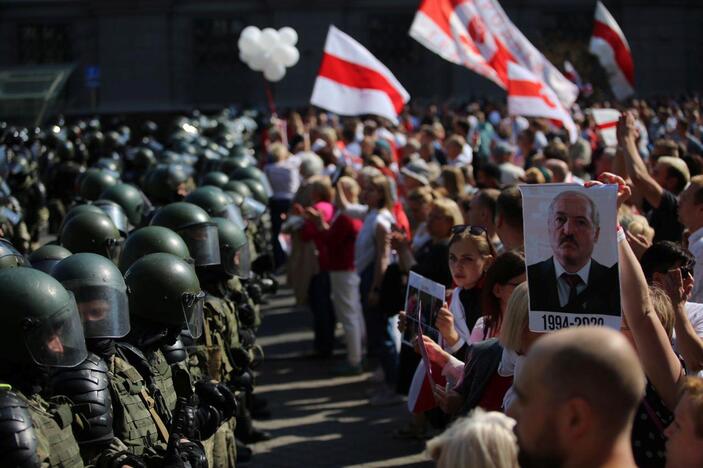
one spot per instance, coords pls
(601, 296)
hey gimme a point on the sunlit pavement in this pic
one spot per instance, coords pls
(318, 419)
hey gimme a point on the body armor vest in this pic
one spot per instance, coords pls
(134, 423)
(56, 445)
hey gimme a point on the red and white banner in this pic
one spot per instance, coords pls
(606, 121)
(351, 81)
(528, 96)
(571, 73)
(608, 43)
(479, 35)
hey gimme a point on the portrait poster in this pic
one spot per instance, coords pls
(423, 299)
(571, 253)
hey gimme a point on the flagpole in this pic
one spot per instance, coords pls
(269, 97)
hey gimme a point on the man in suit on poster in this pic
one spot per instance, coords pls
(571, 280)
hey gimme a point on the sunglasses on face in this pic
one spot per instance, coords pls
(473, 230)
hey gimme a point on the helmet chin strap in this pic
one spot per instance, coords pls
(103, 347)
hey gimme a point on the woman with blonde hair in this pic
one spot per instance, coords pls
(481, 440)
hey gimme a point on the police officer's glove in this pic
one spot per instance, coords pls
(247, 337)
(186, 454)
(255, 293)
(246, 314)
(242, 382)
(218, 396)
(241, 358)
(120, 459)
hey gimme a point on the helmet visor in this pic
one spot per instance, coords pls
(233, 214)
(193, 312)
(10, 255)
(203, 243)
(103, 309)
(253, 208)
(59, 341)
(118, 217)
(113, 249)
(243, 256)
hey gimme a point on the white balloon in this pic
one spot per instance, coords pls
(244, 57)
(251, 31)
(278, 53)
(274, 71)
(249, 45)
(292, 56)
(259, 61)
(269, 38)
(288, 35)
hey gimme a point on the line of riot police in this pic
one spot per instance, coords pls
(132, 269)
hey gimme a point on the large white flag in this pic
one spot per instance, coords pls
(608, 43)
(530, 97)
(606, 121)
(351, 81)
(479, 35)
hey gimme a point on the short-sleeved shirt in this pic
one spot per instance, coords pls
(664, 219)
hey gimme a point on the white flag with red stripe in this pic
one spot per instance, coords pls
(479, 35)
(608, 43)
(571, 73)
(530, 97)
(351, 81)
(606, 121)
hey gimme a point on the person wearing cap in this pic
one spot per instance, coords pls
(659, 189)
(691, 216)
(415, 174)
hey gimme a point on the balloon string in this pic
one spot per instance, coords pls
(269, 98)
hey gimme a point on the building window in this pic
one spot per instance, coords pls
(44, 43)
(215, 42)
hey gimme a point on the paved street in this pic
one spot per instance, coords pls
(318, 419)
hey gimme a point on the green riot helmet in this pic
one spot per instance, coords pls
(65, 150)
(100, 292)
(129, 198)
(253, 173)
(235, 196)
(111, 166)
(164, 289)
(152, 239)
(10, 257)
(216, 203)
(166, 183)
(239, 187)
(232, 165)
(143, 159)
(258, 191)
(216, 178)
(40, 321)
(79, 209)
(46, 256)
(234, 248)
(94, 233)
(94, 182)
(196, 228)
(116, 214)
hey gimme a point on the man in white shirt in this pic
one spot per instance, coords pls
(503, 156)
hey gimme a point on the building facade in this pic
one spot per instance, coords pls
(172, 55)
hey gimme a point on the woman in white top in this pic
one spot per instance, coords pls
(371, 258)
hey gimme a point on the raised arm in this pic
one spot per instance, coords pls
(635, 166)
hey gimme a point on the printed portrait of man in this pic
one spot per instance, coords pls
(571, 280)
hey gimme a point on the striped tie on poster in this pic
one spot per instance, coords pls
(528, 96)
(608, 43)
(479, 35)
(351, 81)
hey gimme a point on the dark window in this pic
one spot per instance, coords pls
(215, 42)
(44, 43)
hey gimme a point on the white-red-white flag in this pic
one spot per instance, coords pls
(479, 35)
(530, 97)
(608, 43)
(606, 121)
(571, 73)
(351, 81)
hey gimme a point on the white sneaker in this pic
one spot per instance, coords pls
(385, 397)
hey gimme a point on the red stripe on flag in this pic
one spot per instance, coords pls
(357, 76)
(528, 89)
(622, 54)
(607, 125)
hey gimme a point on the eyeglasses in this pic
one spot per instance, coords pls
(473, 230)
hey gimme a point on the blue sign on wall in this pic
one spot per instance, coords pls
(92, 76)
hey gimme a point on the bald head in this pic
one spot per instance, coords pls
(594, 364)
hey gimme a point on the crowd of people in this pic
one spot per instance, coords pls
(134, 259)
(363, 203)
